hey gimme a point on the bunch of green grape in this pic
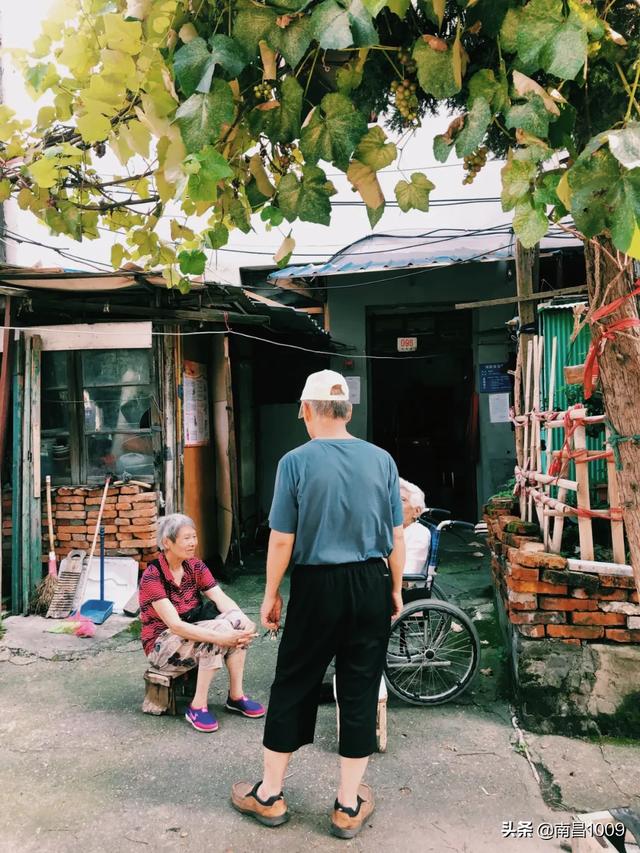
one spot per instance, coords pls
(406, 99)
(263, 91)
(473, 163)
(405, 58)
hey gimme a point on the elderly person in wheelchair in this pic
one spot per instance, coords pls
(417, 537)
(179, 629)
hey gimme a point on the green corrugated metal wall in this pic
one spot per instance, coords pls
(558, 322)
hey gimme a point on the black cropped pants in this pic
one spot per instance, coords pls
(341, 611)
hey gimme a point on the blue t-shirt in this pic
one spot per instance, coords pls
(341, 498)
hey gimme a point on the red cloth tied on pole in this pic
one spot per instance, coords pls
(591, 365)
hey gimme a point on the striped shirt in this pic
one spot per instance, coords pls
(157, 583)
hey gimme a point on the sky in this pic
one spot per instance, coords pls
(314, 243)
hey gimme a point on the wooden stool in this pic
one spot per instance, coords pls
(164, 687)
(381, 716)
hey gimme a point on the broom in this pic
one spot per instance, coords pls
(43, 593)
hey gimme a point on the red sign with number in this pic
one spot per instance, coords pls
(407, 344)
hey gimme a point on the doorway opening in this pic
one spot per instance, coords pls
(423, 405)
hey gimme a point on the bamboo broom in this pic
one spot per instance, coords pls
(43, 593)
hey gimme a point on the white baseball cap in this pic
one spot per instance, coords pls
(325, 385)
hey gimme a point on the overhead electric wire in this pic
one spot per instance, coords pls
(229, 331)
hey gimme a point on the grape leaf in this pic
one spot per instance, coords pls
(364, 179)
(283, 255)
(517, 177)
(272, 215)
(604, 196)
(189, 63)
(338, 25)
(306, 199)
(414, 194)
(548, 39)
(281, 124)
(239, 215)
(192, 262)
(194, 64)
(44, 172)
(252, 25)
(625, 145)
(531, 116)
(436, 72)
(335, 128)
(476, 123)
(442, 147)
(530, 223)
(217, 236)
(293, 40)
(373, 150)
(201, 117)
(211, 168)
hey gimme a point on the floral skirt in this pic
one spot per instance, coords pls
(171, 652)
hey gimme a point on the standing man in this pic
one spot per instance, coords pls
(336, 508)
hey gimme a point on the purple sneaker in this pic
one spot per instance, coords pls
(245, 706)
(201, 719)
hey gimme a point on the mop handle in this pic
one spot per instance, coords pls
(101, 562)
(96, 531)
(50, 513)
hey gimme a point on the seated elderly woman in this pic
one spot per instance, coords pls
(417, 537)
(178, 629)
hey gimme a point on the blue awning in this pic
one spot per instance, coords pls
(443, 247)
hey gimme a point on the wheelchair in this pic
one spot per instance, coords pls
(434, 649)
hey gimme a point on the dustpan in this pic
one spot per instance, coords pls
(98, 610)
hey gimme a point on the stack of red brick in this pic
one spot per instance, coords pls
(543, 598)
(130, 521)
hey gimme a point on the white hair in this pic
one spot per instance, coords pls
(415, 494)
(169, 526)
(339, 410)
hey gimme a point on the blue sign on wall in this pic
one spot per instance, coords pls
(494, 378)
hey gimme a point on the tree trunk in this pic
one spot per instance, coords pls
(620, 381)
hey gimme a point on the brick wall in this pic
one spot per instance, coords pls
(542, 598)
(130, 521)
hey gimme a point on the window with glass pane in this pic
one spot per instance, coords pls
(96, 414)
(55, 445)
(117, 412)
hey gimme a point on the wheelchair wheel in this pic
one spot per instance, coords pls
(433, 653)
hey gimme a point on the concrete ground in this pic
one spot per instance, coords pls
(82, 769)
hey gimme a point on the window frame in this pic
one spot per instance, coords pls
(78, 454)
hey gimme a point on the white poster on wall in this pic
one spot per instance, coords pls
(499, 408)
(353, 383)
(195, 402)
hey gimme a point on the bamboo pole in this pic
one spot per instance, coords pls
(549, 479)
(546, 537)
(585, 530)
(552, 376)
(517, 405)
(617, 527)
(534, 453)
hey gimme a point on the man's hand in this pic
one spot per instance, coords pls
(271, 611)
(396, 604)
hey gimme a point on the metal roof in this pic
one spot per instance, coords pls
(132, 293)
(441, 247)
